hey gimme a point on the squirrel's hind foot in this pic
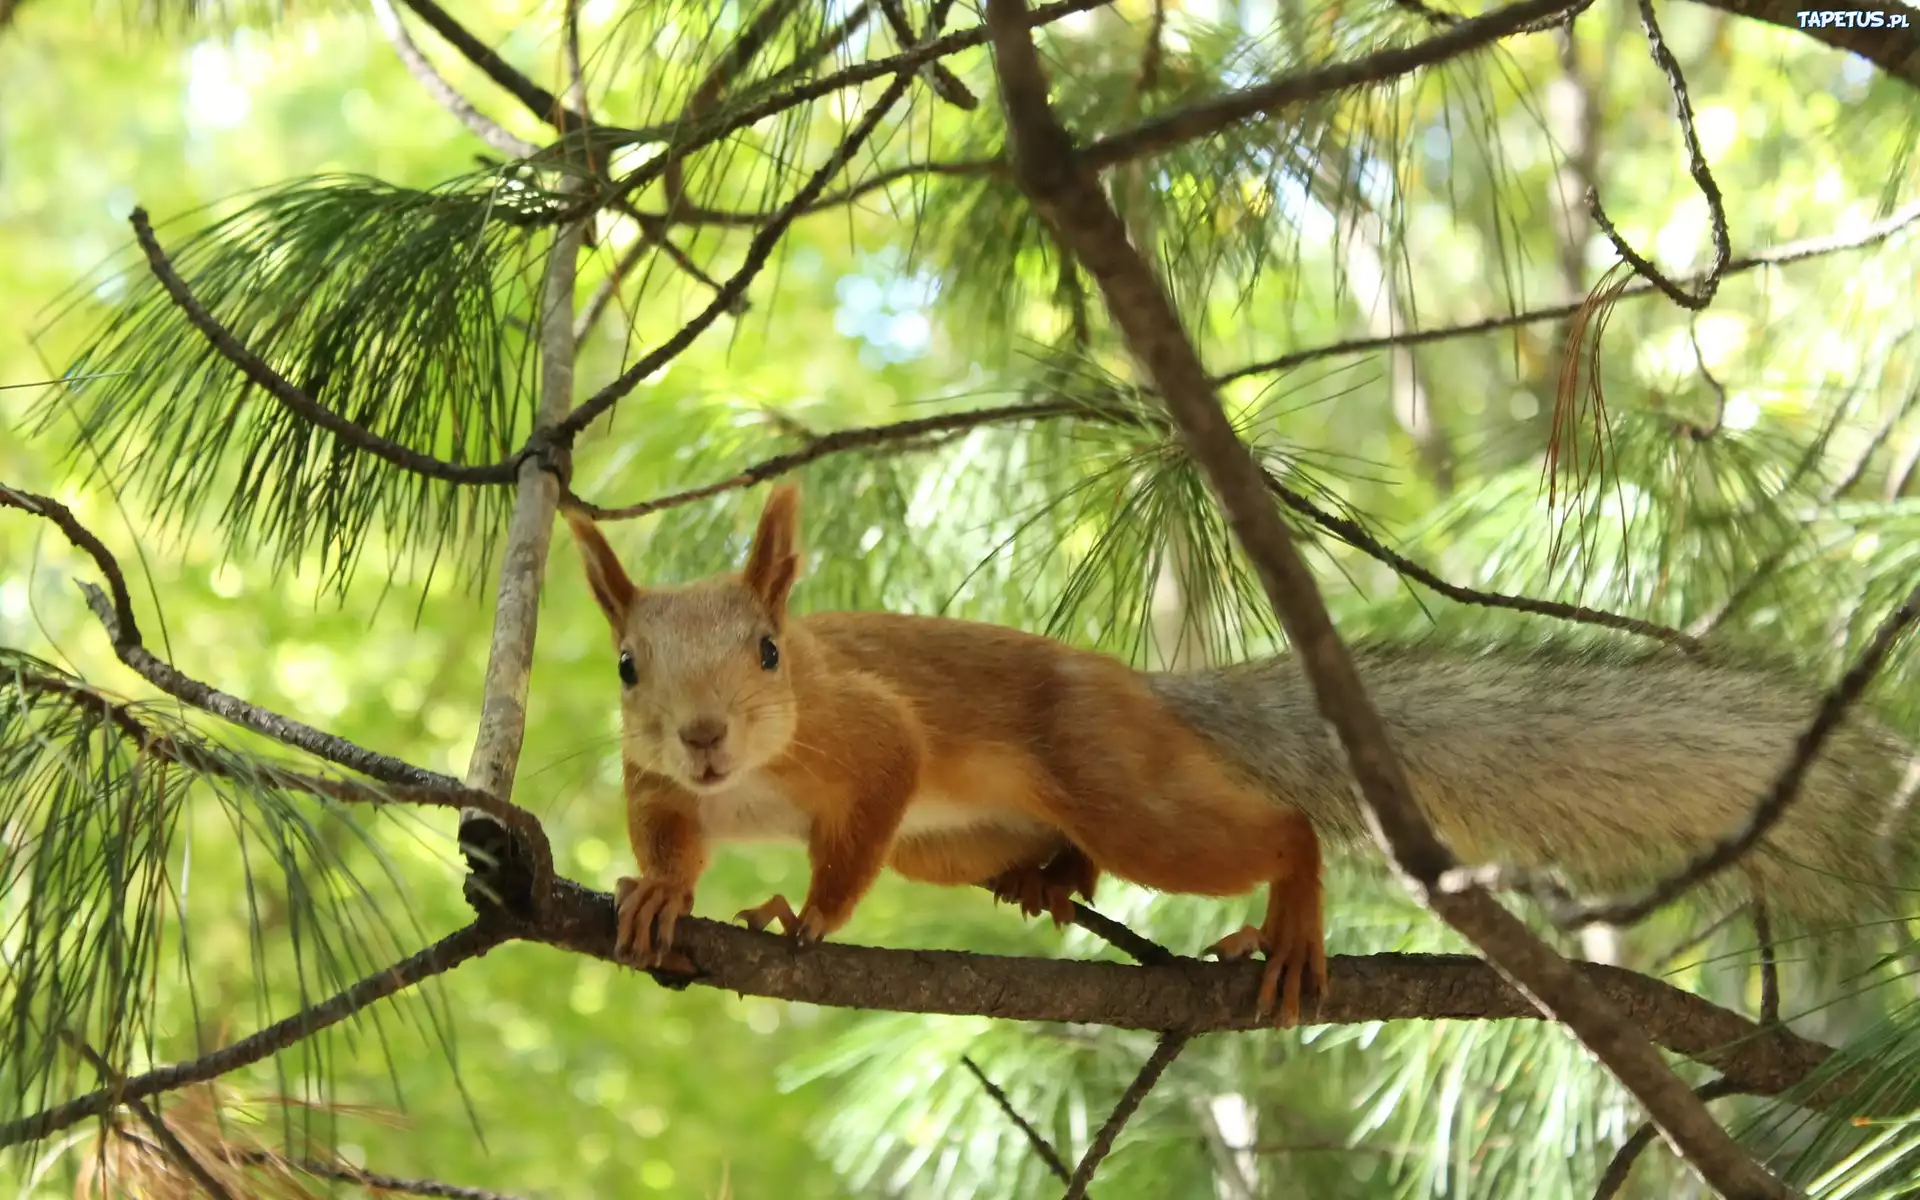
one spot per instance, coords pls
(1296, 961)
(805, 926)
(1048, 887)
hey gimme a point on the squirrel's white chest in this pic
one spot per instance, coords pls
(758, 808)
(752, 808)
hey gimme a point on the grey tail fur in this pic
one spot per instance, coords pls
(1612, 769)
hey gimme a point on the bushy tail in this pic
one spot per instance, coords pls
(1612, 769)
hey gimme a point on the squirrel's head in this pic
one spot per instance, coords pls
(706, 690)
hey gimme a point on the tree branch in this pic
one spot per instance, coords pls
(1348, 531)
(1206, 117)
(117, 616)
(293, 398)
(198, 758)
(1184, 994)
(759, 252)
(445, 94)
(341, 1172)
(1789, 252)
(443, 956)
(538, 100)
(1615, 1176)
(1067, 193)
(1709, 283)
(1041, 1146)
(499, 872)
(1895, 51)
(1168, 1049)
(170, 1144)
(839, 441)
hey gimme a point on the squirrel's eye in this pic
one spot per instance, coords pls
(627, 674)
(769, 654)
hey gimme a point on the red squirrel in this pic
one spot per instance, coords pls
(963, 753)
(953, 751)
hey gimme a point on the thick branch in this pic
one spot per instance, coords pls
(437, 959)
(1183, 994)
(516, 618)
(1068, 195)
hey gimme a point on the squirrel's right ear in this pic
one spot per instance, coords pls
(611, 587)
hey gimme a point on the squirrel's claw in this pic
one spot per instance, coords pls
(805, 926)
(1048, 888)
(1295, 963)
(649, 909)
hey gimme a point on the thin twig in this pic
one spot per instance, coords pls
(172, 1146)
(1068, 195)
(1348, 531)
(1355, 535)
(1207, 117)
(172, 748)
(738, 54)
(759, 252)
(1708, 284)
(1041, 1146)
(1615, 1176)
(1788, 252)
(839, 441)
(940, 81)
(444, 93)
(1769, 964)
(444, 955)
(293, 398)
(116, 614)
(1168, 1049)
(341, 1172)
(538, 100)
(1767, 812)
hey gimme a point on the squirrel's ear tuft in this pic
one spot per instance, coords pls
(611, 587)
(774, 561)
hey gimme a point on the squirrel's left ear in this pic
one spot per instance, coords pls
(774, 561)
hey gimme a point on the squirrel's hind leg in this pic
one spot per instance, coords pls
(1293, 936)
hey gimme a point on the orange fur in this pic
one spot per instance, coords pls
(958, 752)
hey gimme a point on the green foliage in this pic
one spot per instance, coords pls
(380, 303)
(104, 807)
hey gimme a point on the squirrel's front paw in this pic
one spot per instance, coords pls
(649, 909)
(807, 926)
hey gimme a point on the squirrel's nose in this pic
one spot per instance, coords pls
(704, 733)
